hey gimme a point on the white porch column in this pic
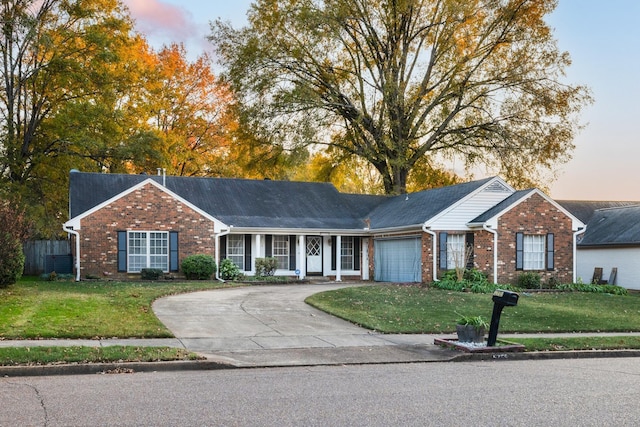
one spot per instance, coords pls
(364, 265)
(301, 257)
(258, 252)
(338, 258)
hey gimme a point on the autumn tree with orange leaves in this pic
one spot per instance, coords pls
(80, 89)
(407, 84)
(192, 113)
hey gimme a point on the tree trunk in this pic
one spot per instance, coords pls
(399, 176)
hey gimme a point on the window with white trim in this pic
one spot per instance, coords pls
(281, 251)
(533, 252)
(456, 251)
(147, 249)
(346, 253)
(235, 249)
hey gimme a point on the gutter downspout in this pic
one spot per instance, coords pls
(75, 233)
(222, 233)
(434, 248)
(495, 252)
(575, 251)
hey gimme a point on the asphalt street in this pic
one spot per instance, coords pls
(589, 392)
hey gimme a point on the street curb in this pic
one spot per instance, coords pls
(207, 365)
(112, 368)
(546, 355)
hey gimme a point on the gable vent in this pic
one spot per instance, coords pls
(497, 187)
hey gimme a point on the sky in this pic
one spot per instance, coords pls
(602, 37)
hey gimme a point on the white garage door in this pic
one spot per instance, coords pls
(397, 260)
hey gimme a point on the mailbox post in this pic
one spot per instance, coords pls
(501, 299)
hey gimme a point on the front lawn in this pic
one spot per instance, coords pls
(34, 309)
(415, 309)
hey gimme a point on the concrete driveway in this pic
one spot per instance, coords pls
(272, 325)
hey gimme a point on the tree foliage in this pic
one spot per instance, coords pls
(403, 84)
(61, 71)
(80, 89)
(192, 114)
(14, 230)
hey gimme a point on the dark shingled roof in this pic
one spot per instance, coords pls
(613, 226)
(514, 198)
(239, 202)
(277, 204)
(416, 208)
(584, 209)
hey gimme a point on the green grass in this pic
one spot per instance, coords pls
(579, 343)
(34, 309)
(414, 309)
(55, 355)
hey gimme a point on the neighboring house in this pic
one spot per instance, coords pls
(123, 223)
(611, 241)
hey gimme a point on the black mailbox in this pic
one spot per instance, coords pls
(505, 297)
(501, 299)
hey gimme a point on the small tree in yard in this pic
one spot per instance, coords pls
(13, 232)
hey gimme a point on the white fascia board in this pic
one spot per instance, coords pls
(76, 222)
(445, 211)
(301, 231)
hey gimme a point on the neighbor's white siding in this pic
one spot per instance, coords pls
(627, 260)
(458, 216)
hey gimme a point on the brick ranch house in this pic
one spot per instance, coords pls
(122, 223)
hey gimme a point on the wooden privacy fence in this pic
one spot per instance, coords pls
(45, 256)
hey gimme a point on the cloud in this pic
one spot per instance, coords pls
(166, 22)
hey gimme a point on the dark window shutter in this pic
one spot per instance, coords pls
(122, 251)
(292, 252)
(223, 247)
(469, 248)
(519, 251)
(247, 252)
(356, 253)
(173, 251)
(268, 246)
(443, 250)
(550, 252)
(334, 252)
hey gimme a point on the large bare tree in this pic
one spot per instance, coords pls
(401, 83)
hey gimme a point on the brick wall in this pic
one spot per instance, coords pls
(146, 209)
(535, 215)
(483, 253)
(427, 258)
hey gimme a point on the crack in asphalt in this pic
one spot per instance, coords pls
(38, 396)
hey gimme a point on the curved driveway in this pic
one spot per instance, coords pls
(237, 322)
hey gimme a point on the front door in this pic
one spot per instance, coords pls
(314, 255)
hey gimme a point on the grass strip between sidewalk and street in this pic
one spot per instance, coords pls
(20, 356)
(622, 342)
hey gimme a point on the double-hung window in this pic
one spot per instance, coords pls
(281, 251)
(346, 253)
(535, 251)
(147, 249)
(235, 249)
(345, 256)
(456, 251)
